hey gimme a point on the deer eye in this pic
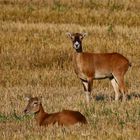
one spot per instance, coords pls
(35, 103)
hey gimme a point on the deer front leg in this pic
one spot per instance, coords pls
(87, 88)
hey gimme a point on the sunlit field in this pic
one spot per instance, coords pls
(36, 59)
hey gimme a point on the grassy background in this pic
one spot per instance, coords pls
(35, 58)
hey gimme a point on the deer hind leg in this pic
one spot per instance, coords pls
(121, 85)
(87, 88)
(116, 88)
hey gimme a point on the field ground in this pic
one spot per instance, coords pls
(35, 58)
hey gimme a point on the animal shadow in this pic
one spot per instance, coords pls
(103, 97)
(133, 95)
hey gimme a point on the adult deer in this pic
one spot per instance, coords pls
(90, 66)
(65, 117)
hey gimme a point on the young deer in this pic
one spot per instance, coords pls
(90, 66)
(65, 117)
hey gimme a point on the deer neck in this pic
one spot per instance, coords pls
(80, 50)
(40, 115)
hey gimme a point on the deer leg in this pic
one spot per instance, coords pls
(121, 86)
(87, 93)
(116, 88)
(87, 88)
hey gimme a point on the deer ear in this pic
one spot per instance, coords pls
(84, 34)
(69, 35)
(40, 99)
(28, 97)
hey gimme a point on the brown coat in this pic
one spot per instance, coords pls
(99, 66)
(66, 117)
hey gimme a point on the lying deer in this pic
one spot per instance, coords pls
(66, 117)
(90, 66)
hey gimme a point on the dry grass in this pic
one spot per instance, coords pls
(35, 58)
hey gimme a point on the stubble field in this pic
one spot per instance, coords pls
(36, 59)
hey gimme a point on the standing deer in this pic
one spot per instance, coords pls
(65, 117)
(90, 66)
